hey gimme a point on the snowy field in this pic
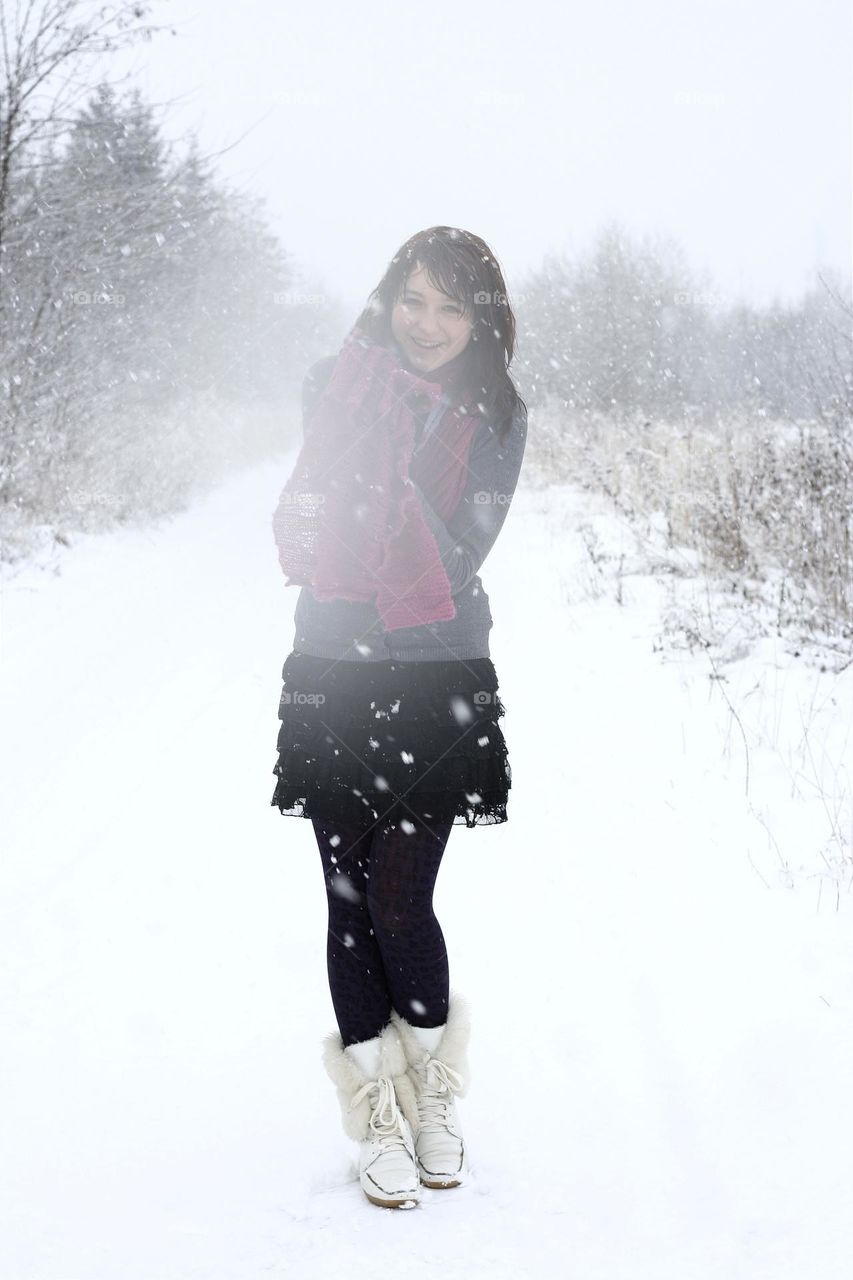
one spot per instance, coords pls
(662, 989)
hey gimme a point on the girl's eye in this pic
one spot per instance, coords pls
(453, 307)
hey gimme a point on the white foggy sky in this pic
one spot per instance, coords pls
(726, 123)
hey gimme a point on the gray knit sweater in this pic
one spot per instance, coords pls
(352, 630)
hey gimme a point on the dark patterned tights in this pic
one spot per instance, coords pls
(385, 946)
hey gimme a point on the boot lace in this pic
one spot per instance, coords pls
(385, 1115)
(441, 1082)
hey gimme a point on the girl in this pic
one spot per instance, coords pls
(414, 435)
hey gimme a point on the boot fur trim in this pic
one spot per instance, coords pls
(452, 1048)
(347, 1077)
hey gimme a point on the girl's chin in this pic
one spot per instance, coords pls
(423, 356)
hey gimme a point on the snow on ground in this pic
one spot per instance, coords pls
(658, 956)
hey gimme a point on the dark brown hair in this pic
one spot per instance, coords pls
(463, 266)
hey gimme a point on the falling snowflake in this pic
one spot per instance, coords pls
(407, 757)
(343, 887)
(462, 713)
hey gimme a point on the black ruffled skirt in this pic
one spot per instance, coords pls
(368, 741)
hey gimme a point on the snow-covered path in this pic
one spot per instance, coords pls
(664, 1095)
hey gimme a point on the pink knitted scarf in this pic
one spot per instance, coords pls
(349, 523)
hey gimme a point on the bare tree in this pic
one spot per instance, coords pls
(622, 328)
(46, 52)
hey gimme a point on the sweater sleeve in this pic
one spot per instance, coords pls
(468, 536)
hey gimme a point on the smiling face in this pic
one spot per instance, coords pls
(430, 327)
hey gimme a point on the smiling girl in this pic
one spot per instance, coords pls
(414, 435)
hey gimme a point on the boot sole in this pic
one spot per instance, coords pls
(409, 1202)
(440, 1186)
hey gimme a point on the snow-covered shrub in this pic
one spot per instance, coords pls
(766, 502)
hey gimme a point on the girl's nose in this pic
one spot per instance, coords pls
(427, 329)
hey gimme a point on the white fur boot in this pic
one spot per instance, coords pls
(438, 1068)
(379, 1111)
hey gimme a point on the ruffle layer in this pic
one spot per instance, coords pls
(370, 741)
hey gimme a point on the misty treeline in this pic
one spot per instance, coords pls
(731, 424)
(153, 329)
